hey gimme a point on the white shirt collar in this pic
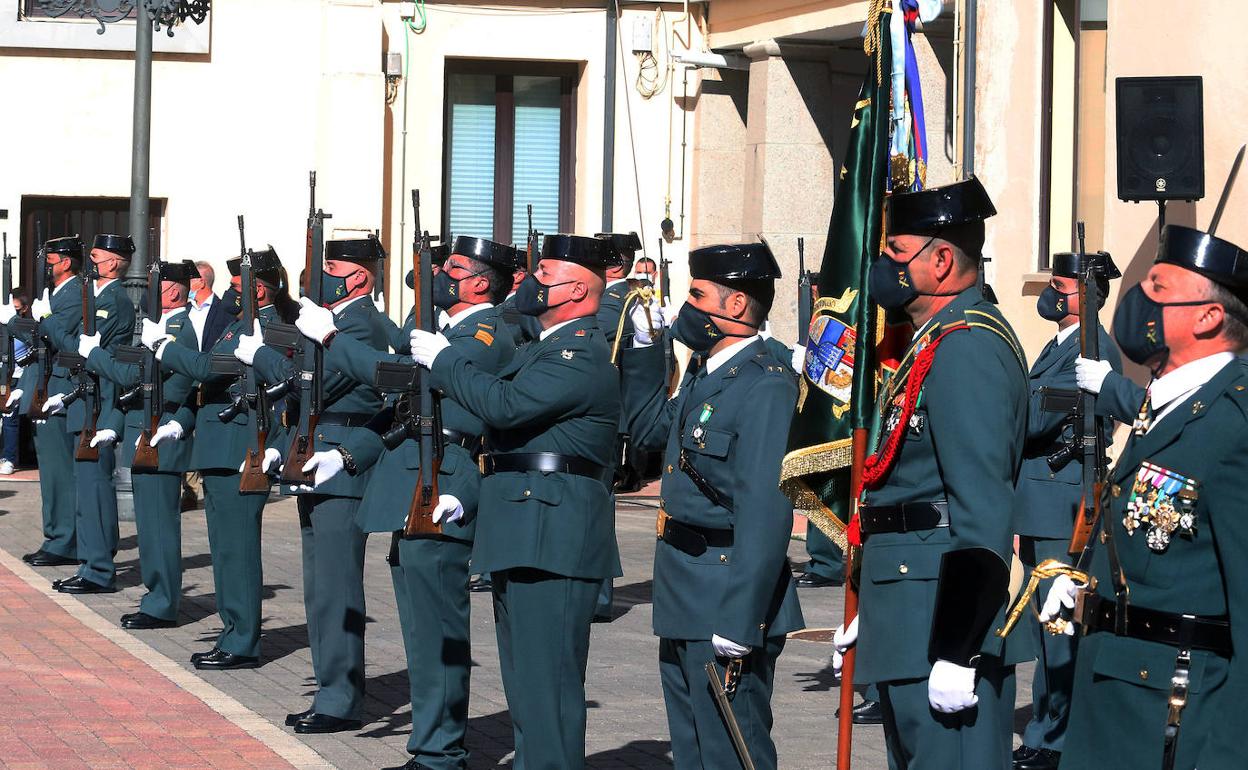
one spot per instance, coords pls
(165, 316)
(616, 282)
(99, 287)
(463, 314)
(194, 305)
(723, 356)
(510, 295)
(56, 289)
(547, 332)
(1064, 334)
(338, 309)
(1169, 389)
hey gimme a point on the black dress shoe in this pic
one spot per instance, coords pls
(220, 660)
(480, 584)
(1043, 759)
(869, 712)
(324, 723)
(80, 585)
(141, 621)
(291, 719)
(1023, 752)
(412, 764)
(43, 558)
(198, 656)
(812, 580)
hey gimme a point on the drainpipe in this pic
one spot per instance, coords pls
(608, 120)
(968, 114)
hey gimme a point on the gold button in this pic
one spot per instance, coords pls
(527, 493)
(1144, 674)
(723, 558)
(1115, 490)
(903, 569)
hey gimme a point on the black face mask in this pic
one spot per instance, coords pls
(232, 301)
(892, 285)
(1138, 324)
(696, 329)
(533, 296)
(1053, 305)
(410, 279)
(446, 289)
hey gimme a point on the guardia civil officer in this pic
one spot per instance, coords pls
(430, 573)
(723, 586)
(332, 542)
(157, 492)
(935, 521)
(218, 453)
(1047, 499)
(524, 328)
(1160, 677)
(96, 522)
(59, 308)
(544, 535)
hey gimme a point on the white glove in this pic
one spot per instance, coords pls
(7, 312)
(426, 347)
(323, 466)
(642, 338)
(101, 437)
(799, 358)
(248, 344)
(1091, 374)
(14, 397)
(448, 510)
(842, 639)
(54, 405)
(951, 688)
(41, 307)
(152, 332)
(1061, 594)
(171, 431)
(87, 343)
(726, 648)
(272, 458)
(314, 322)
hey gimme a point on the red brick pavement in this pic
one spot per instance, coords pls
(70, 698)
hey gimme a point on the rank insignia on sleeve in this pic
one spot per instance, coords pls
(101, 314)
(567, 354)
(579, 333)
(1164, 502)
(485, 337)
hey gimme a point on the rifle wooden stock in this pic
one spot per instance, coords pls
(422, 400)
(312, 366)
(85, 451)
(302, 447)
(146, 456)
(1085, 521)
(424, 500)
(253, 478)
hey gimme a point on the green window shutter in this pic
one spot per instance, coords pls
(471, 177)
(536, 170)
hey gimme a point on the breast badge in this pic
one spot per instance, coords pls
(1164, 502)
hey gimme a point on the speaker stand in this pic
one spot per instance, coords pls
(1161, 217)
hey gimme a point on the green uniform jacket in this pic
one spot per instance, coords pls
(524, 328)
(218, 445)
(342, 394)
(1120, 398)
(487, 343)
(66, 311)
(175, 456)
(610, 309)
(1047, 500)
(965, 446)
(1204, 573)
(732, 426)
(560, 394)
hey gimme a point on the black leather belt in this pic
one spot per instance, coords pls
(1170, 628)
(692, 539)
(904, 517)
(349, 419)
(544, 462)
(466, 440)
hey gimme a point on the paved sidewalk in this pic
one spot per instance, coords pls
(626, 722)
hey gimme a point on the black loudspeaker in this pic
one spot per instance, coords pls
(1161, 139)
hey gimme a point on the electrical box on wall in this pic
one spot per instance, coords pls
(407, 11)
(394, 64)
(643, 34)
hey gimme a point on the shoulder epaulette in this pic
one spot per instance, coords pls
(980, 319)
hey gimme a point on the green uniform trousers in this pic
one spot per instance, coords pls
(333, 599)
(96, 522)
(606, 588)
(542, 622)
(431, 590)
(1055, 667)
(55, 450)
(234, 542)
(919, 738)
(826, 559)
(700, 739)
(158, 518)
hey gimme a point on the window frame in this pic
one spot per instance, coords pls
(57, 213)
(505, 71)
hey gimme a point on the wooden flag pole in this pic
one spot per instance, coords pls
(845, 726)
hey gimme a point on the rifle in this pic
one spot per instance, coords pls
(312, 375)
(664, 286)
(418, 414)
(88, 386)
(253, 479)
(7, 363)
(39, 344)
(805, 302)
(146, 456)
(531, 246)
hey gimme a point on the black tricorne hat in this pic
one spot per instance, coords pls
(625, 243)
(358, 250)
(593, 253)
(492, 253)
(927, 211)
(70, 246)
(178, 272)
(727, 263)
(117, 244)
(1069, 264)
(1218, 260)
(265, 264)
(439, 253)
